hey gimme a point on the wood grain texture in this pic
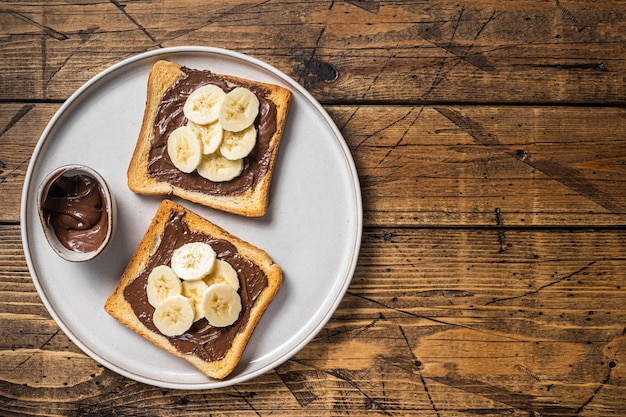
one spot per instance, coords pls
(489, 141)
(488, 165)
(435, 322)
(441, 165)
(342, 51)
(21, 126)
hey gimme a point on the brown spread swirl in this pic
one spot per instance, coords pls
(203, 340)
(74, 206)
(170, 116)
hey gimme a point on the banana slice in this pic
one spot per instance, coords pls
(194, 290)
(174, 316)
(193, 261)
(223, 272)
(210, 135)
(221, 304)
(203, 104)
(238, 145)
(214, 167)
(162, 283)
(184, 148)
(239, 109)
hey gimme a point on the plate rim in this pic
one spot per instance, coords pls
(45, 135)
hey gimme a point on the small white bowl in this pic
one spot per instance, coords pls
(110, 212)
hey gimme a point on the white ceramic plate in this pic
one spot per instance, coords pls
(312, 229)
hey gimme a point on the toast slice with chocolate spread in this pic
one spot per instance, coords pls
(214, 349)
(151, 169)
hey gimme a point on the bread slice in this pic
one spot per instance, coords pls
(172, 226)
(244, 198)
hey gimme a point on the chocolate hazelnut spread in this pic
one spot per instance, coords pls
(203, 340)
(74, 206)
(170, 116)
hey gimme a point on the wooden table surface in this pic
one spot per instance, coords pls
(490, 142)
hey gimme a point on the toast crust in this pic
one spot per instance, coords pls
(252, 202)
(121, 309)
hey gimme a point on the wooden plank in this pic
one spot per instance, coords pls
(489, 141)
(21, 125)
(442, 165)
(488, 166)
(394, 52)
(435, 322)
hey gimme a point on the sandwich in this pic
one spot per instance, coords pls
(195, 290)
(209, 138)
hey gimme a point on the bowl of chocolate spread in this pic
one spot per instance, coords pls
(77, 212)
